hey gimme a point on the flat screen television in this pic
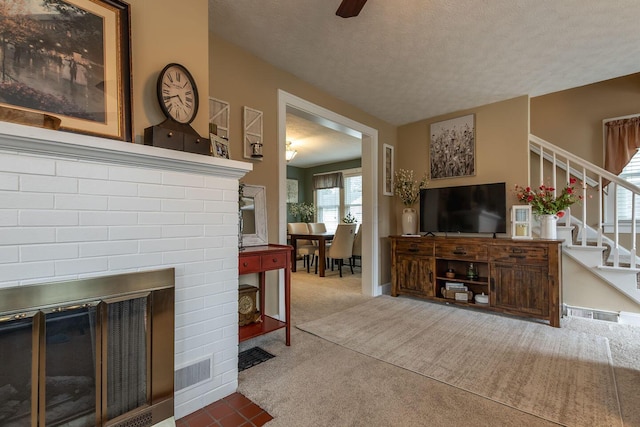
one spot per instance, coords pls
(465, 209)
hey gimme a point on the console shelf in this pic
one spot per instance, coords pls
(520, 277)
(266, 325)
(260, 259)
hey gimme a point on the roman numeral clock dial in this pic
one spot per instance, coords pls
(177, 93)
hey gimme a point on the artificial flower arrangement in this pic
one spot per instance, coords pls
(350, 219)
(304, 211)
(543, 201)
(408, 189)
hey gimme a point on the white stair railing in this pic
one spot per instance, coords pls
(553, 159)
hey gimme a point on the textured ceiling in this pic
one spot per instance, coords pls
(407, 60)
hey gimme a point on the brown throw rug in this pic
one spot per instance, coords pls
(556, 374)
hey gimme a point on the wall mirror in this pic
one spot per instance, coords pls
(253, 206)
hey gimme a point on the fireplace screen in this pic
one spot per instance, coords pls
(102, 359)
(126, 356)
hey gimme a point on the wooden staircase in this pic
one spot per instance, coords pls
(603, 255)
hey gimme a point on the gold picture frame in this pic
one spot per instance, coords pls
(74, 64)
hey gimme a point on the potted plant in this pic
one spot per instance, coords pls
(548, 204)
(408, 190)
(349, 219)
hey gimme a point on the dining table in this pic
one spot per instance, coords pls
(322, 239)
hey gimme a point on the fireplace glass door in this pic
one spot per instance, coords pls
(89, 352)
(70, 366)
(16, 371)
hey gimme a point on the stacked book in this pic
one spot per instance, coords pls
(455, 285)
(457, 291)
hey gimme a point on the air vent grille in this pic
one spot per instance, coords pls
(193, 374)
(143, 419)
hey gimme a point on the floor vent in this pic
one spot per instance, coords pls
(589, 313)
(193, 374)
(252, 357)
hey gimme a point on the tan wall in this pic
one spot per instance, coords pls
(572, 119)
(242, 79)
(582, 289)
(153, 47)
(501, 147)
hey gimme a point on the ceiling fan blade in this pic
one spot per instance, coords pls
(350, 8)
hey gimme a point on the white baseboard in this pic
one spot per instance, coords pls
(386, 288)
(629, 318)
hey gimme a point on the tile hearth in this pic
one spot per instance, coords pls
(233, 411)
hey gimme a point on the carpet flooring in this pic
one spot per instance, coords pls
(558, 375)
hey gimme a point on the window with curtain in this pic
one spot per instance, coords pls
(631, 172)
(334, 203)
(622, 140)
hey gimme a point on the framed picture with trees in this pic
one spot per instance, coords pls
(71, 60)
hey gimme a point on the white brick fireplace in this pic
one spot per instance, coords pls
(74, 206)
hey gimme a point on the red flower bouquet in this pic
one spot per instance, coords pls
(544, 202)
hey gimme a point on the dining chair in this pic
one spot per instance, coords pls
(305, 248)
(341, 247)
(357, 247)
(317, 227)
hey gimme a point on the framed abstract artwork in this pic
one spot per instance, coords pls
(388, 170)
(452, 148)
(292, 190)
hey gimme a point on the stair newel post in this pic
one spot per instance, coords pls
(616, 237)
(633, 231)
(554, 173)
(600, 219)
(567, 219)
(541, 176)
(584, 203)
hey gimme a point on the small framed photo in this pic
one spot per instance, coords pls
(219, 146)
(521, 222)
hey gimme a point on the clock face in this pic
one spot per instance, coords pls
(177, 93)
(245, 304)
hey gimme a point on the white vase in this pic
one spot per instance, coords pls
(548, 227)
(409, 221)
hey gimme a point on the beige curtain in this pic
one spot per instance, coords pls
(623, 141)
(328, 180)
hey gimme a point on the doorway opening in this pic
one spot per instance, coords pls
(370, 243)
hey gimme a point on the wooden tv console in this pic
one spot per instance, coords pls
(521, 277)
